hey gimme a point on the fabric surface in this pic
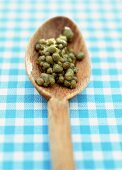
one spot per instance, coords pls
(95, 114)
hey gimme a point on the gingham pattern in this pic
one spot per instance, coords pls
(96, 113)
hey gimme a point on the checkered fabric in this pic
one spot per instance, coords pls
(95, 114)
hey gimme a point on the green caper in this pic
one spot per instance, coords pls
(46, 53)
(41, 52)
(62, 60)
(51, 49)
(40, 81)
(69, 74)
(66, 65)
(60, 63)
(63, 52)
(46, 84)
(72, 65)
(60, 46)
(41, 58)
(65, 56)
(50, 41)
(80, 56)
(41, 47)
(46, 65)
(49, 70)
(73, 84)
(41, 63)
(49, 59)
(56, 57)
(72, 55)
(37, 47)
(61, 79)
(54, 75)
(69, 59)
(52, 80)
(45, 77)
(42, 41)
(68, 33)
(66, 83)
(61, 41)
(57, 68)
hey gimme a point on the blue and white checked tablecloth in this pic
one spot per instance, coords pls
(96, 113)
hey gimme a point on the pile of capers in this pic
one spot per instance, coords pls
(56, 61)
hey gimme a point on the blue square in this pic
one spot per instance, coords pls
(95, 113)
(89, 164)
(7, 165)
(103, 129)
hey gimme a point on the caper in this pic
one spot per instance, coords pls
(60, 63)
(54, 75)
(40, 81)
(62, 60)
(41, 52)
(63, 51)
(41, 58)
(41, 63)
(68, 33)
(41, 47)
(61, 79)
(80, 56)
(66, 83)
(42, 41)
(49, 70)
(49, 59)
(69, 74)
(71, 55)
(66, 65)
(50, 41)
(46, 65)
(61, 41)
(37, 47)
(57, 68)
(65, 56)
(44, 75)
(51, 49)
(56, 57)
(45, 84)
(60, 46)
(72, 65)
(73, 84)
(52, 80)
(46, 53)
(69, 59)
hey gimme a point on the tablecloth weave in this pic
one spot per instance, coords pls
(95, 114)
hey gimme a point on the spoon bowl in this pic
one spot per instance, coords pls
(51, 29)
(58, 96)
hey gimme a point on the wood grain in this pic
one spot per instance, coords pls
(59, 132)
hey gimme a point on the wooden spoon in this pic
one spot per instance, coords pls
(57, 96)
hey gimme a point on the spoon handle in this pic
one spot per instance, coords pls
(60, 136)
